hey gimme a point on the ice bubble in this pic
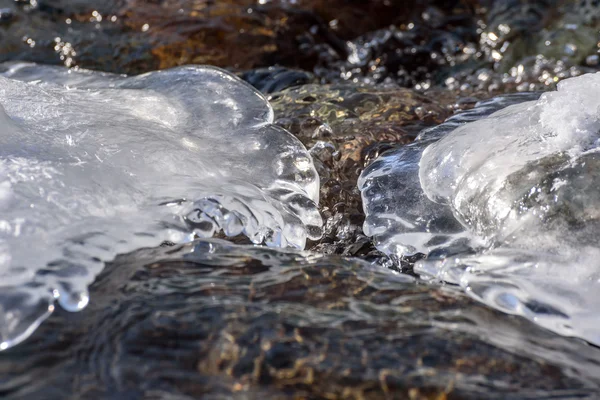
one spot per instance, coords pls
(93, 164)
(506, 206)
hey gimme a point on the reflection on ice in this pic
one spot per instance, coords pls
(92, 165)
(399, 216)
(506, 206)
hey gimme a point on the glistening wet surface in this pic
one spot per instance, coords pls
(215, 320)
(350, 79)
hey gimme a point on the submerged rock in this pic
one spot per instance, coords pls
(344, 127)
(214, 320)
(529, 45)
(92, 165)
(505, 206)
(276, 79)
(473, 47)
(73, 33)
(137, 36)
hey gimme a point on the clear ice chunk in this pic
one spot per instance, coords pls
(93, 164)
(400, 217)
(522, 181)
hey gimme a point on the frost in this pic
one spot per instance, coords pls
(506, 206)
(92, 165)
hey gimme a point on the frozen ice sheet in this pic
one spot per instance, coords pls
(505, 206)
(92, 165)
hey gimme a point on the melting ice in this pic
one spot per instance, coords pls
(507, 206)
(92, 165)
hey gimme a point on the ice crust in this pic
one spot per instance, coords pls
(93, 164)
(506, 206)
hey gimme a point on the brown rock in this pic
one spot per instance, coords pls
(345, 126)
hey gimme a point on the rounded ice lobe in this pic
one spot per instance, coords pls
(93, 165)
(400, 216)
(519, 191)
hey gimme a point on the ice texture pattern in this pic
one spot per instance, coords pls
(506, 206)
(93, 165)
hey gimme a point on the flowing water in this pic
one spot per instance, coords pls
(214, 320)
(465, 221)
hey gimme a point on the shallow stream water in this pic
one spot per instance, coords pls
(215, 320)
(350, 79)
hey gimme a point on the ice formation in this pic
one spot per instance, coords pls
(506, 206)
(92, 165)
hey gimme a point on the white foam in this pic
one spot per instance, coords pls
(92, 165)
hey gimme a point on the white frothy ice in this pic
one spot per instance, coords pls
(519, 194)
(92, 165)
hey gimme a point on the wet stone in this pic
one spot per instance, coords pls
(275, 79)
(344, 126)
(6, 15)
(218, 320)
(471, 47)
(137, 36)
(72, 33)
(419, 54)
(214, 320)
(529, 45)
